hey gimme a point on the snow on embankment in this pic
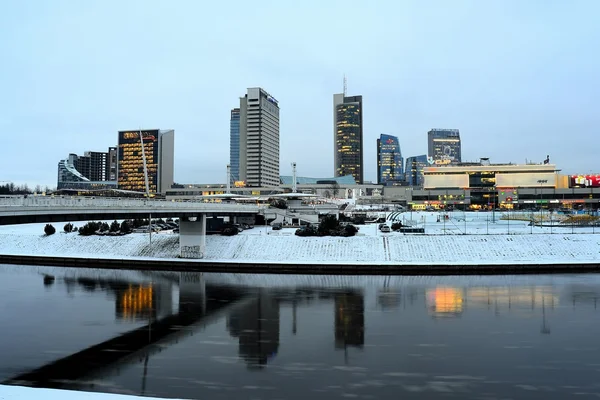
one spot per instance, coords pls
(393, 248)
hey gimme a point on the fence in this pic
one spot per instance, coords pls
(498, 223)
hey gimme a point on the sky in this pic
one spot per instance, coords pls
(519, 79)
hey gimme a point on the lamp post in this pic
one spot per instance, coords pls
(541, 182)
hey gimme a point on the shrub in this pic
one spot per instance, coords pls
(350, 230)
(89, 229)
(114, 226)
(104, 227)
(328, 224)
(307, 231)
(49, 230)
(68, 227)
(125, 227)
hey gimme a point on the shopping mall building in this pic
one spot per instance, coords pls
(510, 186)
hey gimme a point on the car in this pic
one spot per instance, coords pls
(381, 226)
(385, 229)
(277, 226)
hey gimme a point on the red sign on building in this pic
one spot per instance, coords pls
(585, 180)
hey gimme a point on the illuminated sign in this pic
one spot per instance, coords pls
(585, 180)
(443, 161)
(239, 184)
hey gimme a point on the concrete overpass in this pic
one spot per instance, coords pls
(192, 215)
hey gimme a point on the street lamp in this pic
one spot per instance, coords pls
(541, 182)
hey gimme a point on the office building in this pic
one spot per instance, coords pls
(258, 139)
(443, 147)
(348, 136)
(234, 145)
(159, 152)
(92, 170)
(93, 165)
(389, 160)
(414, 170)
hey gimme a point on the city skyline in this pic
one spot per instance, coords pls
(500, 72)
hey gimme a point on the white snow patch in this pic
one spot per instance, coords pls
(27, 393)
(369, 247)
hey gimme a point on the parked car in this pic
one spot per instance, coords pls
(385, 229)
(381, 226)
(277, 226)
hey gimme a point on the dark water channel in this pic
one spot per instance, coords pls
(229, 336)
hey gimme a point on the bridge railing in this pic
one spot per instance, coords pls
(89, 202)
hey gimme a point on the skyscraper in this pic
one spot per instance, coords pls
(234, 144)
(443, 146)
(159, 151)
(414, 170)
(259, 139)
(389, 160)
(348, 136)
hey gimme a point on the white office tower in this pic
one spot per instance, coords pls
(259, 139)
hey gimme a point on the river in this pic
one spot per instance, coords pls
(224, 336)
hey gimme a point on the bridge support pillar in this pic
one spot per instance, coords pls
(192, 237)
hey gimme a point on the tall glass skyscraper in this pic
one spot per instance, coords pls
(348, 136)
(389, 160)
(234, 144)
(443, 146)
(414, 170)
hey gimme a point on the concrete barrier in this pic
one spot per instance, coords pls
(297, 268)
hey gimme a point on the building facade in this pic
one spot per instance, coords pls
(159, 153)
(414, 170)
(234, 144)
(443, 147)
(259, 139)
(389, 160)
(113, 162)
(93, 165)
(348, 136)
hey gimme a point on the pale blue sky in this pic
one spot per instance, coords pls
(518, 78)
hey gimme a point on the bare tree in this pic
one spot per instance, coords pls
(335, 189)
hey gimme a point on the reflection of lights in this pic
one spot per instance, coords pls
(136, 301)
(445, 300)
(524, 296)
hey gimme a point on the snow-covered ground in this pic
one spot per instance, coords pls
(27, 393)
(508, 242)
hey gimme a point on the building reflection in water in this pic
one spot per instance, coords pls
(136, 303)
(445, 301)
(349, 320)
(256, 325)
(389, 299)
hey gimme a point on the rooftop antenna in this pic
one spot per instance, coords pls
(345, 85)
(293, 177)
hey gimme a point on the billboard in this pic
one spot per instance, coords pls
(585, 180)
(446, 181)
(526, 180)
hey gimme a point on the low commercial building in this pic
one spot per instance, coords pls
(485, 186)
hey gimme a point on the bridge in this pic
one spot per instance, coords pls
(192, 215)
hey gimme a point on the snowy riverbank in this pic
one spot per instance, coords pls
(370, 246)
(27, 393)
